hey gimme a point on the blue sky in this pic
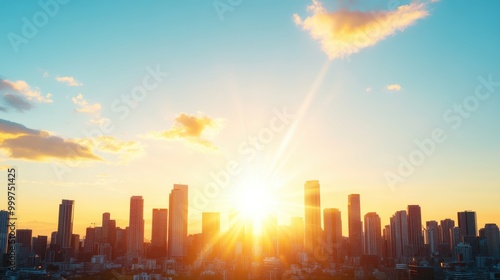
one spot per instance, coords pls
(227, 75)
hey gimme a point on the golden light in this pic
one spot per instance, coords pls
(254, 200)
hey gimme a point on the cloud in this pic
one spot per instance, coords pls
(393, 87)
(21, 96)
(192, 129)
(17, 102)
(70, 81)
(85, 107)
(368, 89)
(345, 32)
(20, 142)
(126, 150)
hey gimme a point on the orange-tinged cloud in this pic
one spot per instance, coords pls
(20, 142)
(192, 129)
(70, 81)
(20, 96)
(85, 107)
(345, 32)
(393, 87)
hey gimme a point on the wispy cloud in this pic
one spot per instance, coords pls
(86, 107)
(20, 142)
(192, 129)
(70, 81)
(393, 87)
(21, 96)
(345, 32)
(125, 150)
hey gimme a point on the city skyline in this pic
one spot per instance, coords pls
(246, 105)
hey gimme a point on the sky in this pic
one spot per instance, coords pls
(245, 101)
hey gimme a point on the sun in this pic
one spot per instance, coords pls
(255, 201)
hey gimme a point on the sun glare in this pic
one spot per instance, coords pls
(255, 202)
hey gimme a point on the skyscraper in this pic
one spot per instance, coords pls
(4, 230)
(415, 236)
(40, 246)
(373, 237)
(492, 236)
(333, 228)
(65, 224)
(432, 236)
(467, 223)
(136, 227)
(312, 205)
(159, 232)
(177, 221)
(105, 227)
(270, 236)
(354, 217)
(210, 231)
(399, 235)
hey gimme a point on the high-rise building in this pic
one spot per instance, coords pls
(159, 233)
(415, 236)
(355, 231)
(210, 231)
(399, 235)
(432, 236)
(492, 235)
(65, 223)
(89, 242)
(177, 221)
(105, 227)
(4, 231)
(23, 236)
(467, 223)
(312, 206)
(373, 237)
(136, 227)
(332, 223)
(40, 246)
(297, 235)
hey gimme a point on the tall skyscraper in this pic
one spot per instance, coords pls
(4, 230)
(90, 240)
(333, 228)
(432, 236)
(105, 227)
(136, 227)
(312, 205)
(159, 232)
(415, 236)
(177, 221)
(210, 231)
(297, 235)
(65, 223)
(354, 217)
(399, 235)
(467, 223)
(373, 237)
(40, 246)
(492, 235)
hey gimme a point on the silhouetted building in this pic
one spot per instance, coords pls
(415, 237)
(399, 235)
(332, 221)
(135, 238)
(492, 236)
(105, 227)
(312, 206)
(23, 247)
(177, 221)
(65, 223)
(445, 232)
(354, 217)
(269, 238)
(210, 230)
(373, 237)
(467, 223)
(432, 236)
(40, 246)
(159, 233)
(296, 236)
